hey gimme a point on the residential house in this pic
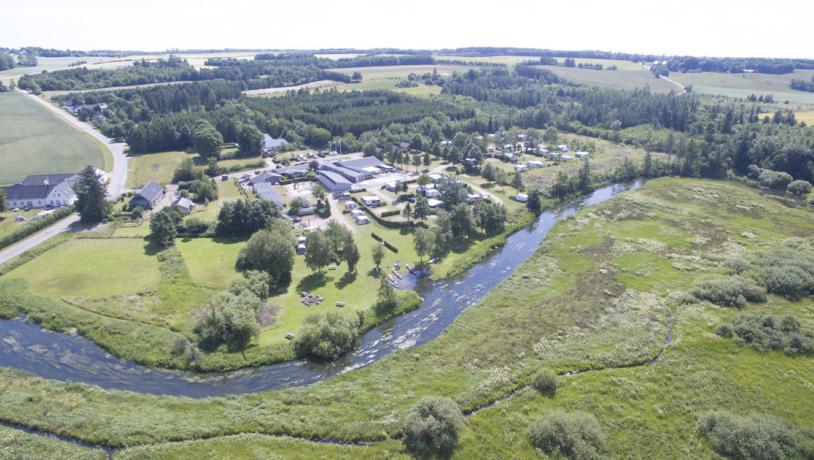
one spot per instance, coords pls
(184, 204)
(42, 191)
(148, 197)
(272, 145)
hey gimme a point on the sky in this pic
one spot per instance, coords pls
(777, 28)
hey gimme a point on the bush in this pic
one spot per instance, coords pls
(228, 319)
(764, 333)
(573, 435)
(756, 437)
(729, 292)
(788, 272)
(196, 227)
(799, 187)
(545, 382)
(774, 179)
(326, 336)
(433, 427)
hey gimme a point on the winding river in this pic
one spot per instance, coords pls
(59, 356)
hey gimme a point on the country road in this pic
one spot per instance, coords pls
(670, 80)
(118, 178)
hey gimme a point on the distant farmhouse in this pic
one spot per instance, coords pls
(272, 145)
(42, 191)
(148, 196)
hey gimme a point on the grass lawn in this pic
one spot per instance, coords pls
(227, 191)
(9, 225)
(35, 141)
(588, 302)
(210, 262)
(160, 167)
(155, 167)
(91, 267)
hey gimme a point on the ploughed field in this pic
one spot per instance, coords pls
(618, 300)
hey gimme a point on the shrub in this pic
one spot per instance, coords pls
(326, 336)
(573, 435)
(799, 187)
(774, 179)
(433, 427)
(227, 319)
(730, 291)
(756, 437)
(788, 272)
(196, 227)
(545, 382)
(270, 251)
(763, 333)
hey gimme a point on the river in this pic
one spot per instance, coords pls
(59, 356)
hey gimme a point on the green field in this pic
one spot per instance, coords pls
(624, 78)
(746, 84)
(35, 141)
(160, 167)
(591, 301)
(91, 267)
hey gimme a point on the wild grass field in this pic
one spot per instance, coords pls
(604, 302)
(34, 141)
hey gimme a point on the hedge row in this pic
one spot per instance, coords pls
(35, 226)
(383, 222)
(392, 212)
(384, 242)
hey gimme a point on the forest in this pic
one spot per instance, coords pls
(710, 138)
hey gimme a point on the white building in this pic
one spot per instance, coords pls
(42, 191)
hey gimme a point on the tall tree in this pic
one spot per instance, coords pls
(378, 255)
(250, 140)
(206, 140)
(424, 241)
(90, 196)
(318, 253)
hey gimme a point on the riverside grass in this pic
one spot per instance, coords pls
(574, 307)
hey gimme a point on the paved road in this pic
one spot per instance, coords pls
(118, 178)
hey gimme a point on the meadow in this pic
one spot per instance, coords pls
(594, 304)
(35, 141)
